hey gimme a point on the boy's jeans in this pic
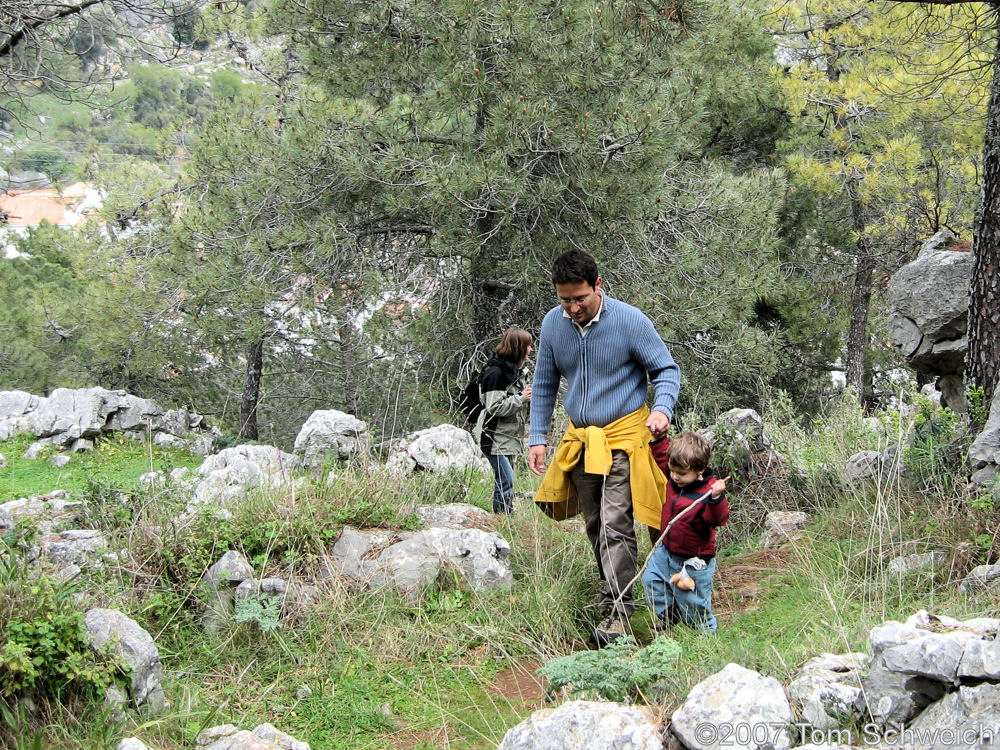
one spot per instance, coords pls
(503, 484)
(670, 603)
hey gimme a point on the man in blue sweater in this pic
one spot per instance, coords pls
(609, 352)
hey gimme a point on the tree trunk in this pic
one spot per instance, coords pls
(861, 297)
(982, 364)
(251, 390)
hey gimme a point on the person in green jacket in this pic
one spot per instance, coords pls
(500, 427)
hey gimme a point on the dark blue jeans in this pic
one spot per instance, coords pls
(503, 483)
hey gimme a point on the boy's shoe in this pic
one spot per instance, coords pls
(609, 630)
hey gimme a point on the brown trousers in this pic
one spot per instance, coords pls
(606, 503)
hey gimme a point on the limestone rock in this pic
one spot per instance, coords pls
(586, 725)
(437, 449)
(783, 526)
(928, 307)
(134, 646)
(331, 433)
(409, 561)
(263, 737)
(827, 687)
(735, 696)
(454, 516)
(924, 562)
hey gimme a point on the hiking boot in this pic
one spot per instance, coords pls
(609, 630)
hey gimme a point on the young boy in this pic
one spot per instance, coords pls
(690, 542)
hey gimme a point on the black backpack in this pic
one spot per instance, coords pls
(470, 398)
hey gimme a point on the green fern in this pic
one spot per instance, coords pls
(617, 672)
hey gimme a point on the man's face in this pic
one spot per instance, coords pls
(580, 300)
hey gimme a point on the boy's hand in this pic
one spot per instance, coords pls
(718, 487)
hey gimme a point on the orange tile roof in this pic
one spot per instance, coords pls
(29, 208)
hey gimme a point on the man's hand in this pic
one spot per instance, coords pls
(536, 459)
(658, 424)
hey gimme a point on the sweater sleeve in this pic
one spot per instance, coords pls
(717, 511)
(544, 388)
(660, 367)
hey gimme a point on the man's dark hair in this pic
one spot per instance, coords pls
(575, 266)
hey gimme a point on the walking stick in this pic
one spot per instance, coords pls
(659, 541)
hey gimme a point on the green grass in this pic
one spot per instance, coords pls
(116, 461)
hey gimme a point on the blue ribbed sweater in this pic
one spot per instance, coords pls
(606, 370)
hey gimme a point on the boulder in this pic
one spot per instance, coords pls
(929, 562)
(134, 646)
(984, 453)
(437, 449)
(982, 578)
(586, 725)
(826, 689)
(864, 465)
(229, 473)
(15, 406)
(455, 516)
(222, 580)
(967, 718)
(891, 696)
(735, 697)
(928, 307)
(934, 655)
(331, 433)
(410, 561)
(263, 737)
(781, 527)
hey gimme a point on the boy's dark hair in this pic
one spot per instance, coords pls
(574, 266)
(689, 451)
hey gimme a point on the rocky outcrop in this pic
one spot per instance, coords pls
(437, 449)
(929, 307)
(67, 416)
(984, 454)
(331, 434)
(917, 663)
(231, 472)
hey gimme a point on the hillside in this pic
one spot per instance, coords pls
(340, 664)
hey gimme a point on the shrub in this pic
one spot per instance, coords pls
(44, 644)
(616, 673)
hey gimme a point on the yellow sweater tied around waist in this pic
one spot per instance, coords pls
(557, 496)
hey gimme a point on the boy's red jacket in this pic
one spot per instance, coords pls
(694, 534)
